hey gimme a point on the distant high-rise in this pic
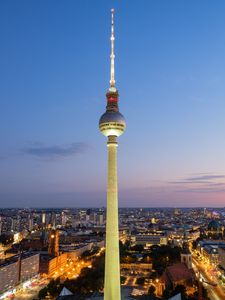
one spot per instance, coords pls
(43, 219)
(53, 220)
(1, 225)
(100, 219)
(63, 219)
(112, 124)
(13, 224)
(30, 222)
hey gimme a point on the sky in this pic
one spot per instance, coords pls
(54, 74)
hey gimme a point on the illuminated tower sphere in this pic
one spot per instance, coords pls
(112, 124)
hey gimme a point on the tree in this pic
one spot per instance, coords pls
(138, 248)
(153, 275)
(43, 293)
(166, 294)
(151, 290)
(195, 243)
(180, 289)
(140, 280)
(205, 293)
(122, 279)
(162, 256)
(6, 239)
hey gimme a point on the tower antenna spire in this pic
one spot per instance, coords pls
(112, 56)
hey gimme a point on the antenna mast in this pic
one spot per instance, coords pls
(112, 56)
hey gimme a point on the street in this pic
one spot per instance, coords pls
(215, 292)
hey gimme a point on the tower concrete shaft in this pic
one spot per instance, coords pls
(112, 263)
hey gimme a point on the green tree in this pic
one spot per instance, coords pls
(6, 239)
(140, 280)
(166, 294)
(43, 293)
(151, 290)
(205, 293)
(137, 248)
(122, 279)
(180, 289)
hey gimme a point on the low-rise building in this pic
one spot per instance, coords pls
(49, 265)
(149, 239)
(210, 252)
(221, 256)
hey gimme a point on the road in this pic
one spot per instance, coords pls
(215, 292)
(130, 281)
(30, 292)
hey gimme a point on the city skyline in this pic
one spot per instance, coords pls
(170, 73)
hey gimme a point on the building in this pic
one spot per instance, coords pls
(112, 124)
(13, 224)
(136, 268)
(53, 247)
(43, 219)
(177, 274)
(30, 222)
(18, 269)
(29, 266)
(53, 220)
(210, 250)
(100, 219)
(149, 239)
(63, 219)
(215, 230)
(50, 266)
(9, 275)
(1, 225)
(221, 256)
(186, 256)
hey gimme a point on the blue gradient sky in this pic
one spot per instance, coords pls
(54, 72)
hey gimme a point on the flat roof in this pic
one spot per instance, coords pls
(15, 258)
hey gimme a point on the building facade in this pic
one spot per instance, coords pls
(18, 269)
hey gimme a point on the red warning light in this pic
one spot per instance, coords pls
(112, 99)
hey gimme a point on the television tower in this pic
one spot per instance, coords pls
(112, 124)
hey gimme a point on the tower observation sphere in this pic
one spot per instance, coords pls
(112, 123)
